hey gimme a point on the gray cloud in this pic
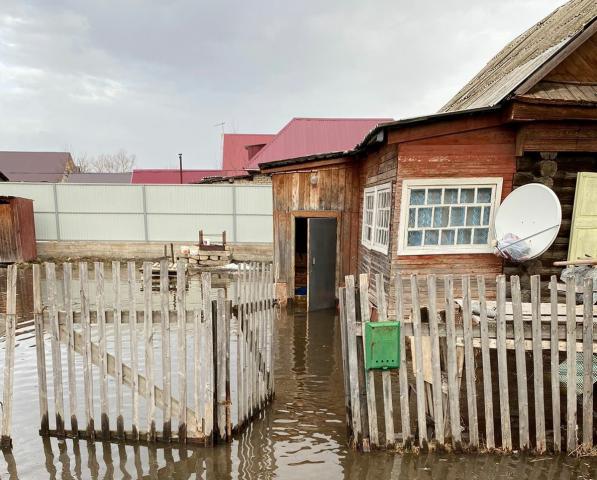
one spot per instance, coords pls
(154, 77)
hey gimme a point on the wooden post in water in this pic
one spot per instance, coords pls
(438, 411)
(148, 334)
(118, 347)
(56, 355)
(87, 354)
(181, 305)
(132, 290)
(220, 342)
(538, 364)
(42, 385)
(554, 366)
(353, 362)
(588, 358)
(103, 378)
(9, 357)
(72, 379)
(166, 365)
(345, 366)
(207, 358)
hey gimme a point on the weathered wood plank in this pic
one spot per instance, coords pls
(386, 377)
(181, 310)
(9, 357)
(55, 342)
(220, 354)
(103, 377)
(42, 384)
(86, 349)
(486, 361)
(352, 361)
(345, 367)
(419, 380)
(588, 358)
(132, 290)
(571, 434)
(554, 367)
(521, 368)
(370, 374)
(208, 399)
(166, 361)
(438, 411)
(149, 357)
(453, 383)
(502, 364)
(538, 365)
(469, 363)
(67, 273)
(403, 372)
(117, 309)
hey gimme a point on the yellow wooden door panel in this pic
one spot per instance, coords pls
(583, 235)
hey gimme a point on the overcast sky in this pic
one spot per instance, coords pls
(155, 77)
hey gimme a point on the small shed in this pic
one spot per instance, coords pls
(17, 230)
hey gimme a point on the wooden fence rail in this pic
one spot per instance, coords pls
(474, 373)
(136, 365)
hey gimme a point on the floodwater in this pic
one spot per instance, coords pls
(302, 434)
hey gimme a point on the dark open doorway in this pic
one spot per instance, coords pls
(315, 262)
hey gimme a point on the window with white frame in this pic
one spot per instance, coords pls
(450, 215)
(377, 205)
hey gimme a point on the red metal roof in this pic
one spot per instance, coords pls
(170, 176)
(235, 157)
(309, 136)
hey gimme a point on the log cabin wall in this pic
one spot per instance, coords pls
(483, 152)
(377, 168)
(295, 194)
(559, 174)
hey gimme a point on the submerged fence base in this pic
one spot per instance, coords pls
(481, 374)
(203, 372)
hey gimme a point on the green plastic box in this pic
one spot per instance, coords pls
(382, 345)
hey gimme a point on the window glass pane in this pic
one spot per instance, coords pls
(464, 236)
(414, 238)
(417, 197)
(473, 216)
(481, 236)
(457, 216)
(412, 215)
(440, 216)
(447, 237)
(431, 237)
(486, 212)
(451, 195)
(483, 195)
(424, 217)
(467, 195)
(434, 196)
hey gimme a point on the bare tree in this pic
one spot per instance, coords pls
(118, 162)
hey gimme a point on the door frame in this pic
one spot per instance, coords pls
(314, 214)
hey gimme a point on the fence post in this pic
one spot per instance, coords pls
(571, 364)
(11, 322)
(42, 385)
(587, 395)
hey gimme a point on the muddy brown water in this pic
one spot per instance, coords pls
(302, 434)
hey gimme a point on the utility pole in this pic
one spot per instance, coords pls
(180, 166)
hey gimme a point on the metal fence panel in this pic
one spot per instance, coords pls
(106, 212)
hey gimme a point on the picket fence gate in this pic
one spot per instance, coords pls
(489, 408)
(207, 369)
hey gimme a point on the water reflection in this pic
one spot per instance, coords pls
(301, 436)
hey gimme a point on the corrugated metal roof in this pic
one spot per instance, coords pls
(99, 177)
(303, 137)
(235, 156)
(34, 166)
(166, 176)
(523, 56)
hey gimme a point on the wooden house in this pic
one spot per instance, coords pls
(419, 195)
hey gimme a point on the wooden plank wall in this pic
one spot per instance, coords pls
(485, 152)
(379, 167)
(294, 194)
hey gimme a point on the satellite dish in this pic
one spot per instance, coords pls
(527, 222)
